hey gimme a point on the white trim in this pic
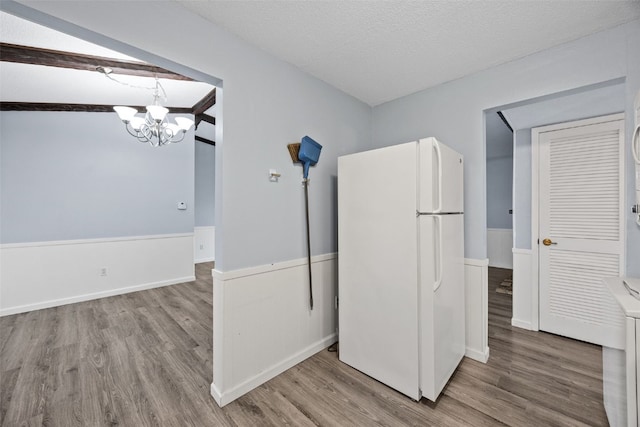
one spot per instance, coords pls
(476, 309)
(501, 230)
(514, 171)
(201, 260)
(580, 123)
(90, 241)
(521, 324)
(269, 305)
(477, 355)
(535, 197)
(267, 268)
(521, 315)
(271, 372)
(535, 166)
(71, 272)
(522, 251)
(477, 262)
(92, 296)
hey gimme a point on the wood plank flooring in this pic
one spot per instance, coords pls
(146, 359)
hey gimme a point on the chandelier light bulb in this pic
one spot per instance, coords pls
(184, 123)
(158, 112)
(125, 113)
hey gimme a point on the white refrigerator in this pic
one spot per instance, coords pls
(401, 265)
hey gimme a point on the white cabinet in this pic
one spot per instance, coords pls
(620, 365)
(614, 385)
(632, 350)
(633, 370)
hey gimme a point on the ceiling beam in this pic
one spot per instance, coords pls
(79, 61)
(205, 118)
(205, 140)
(505, 121)
(89, 108)
(205, 103)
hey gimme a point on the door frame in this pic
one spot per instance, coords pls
(535, 197)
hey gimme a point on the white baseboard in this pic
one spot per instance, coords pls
(72, 271)
(521, 324)
(477, 308)
(476, 262)
(89, 297)
(480, 356)
(524, 306)
(275, 370)
(199, 261)
(263, 324)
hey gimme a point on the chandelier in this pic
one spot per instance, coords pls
(154, 127)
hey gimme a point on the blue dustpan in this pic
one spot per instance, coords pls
(309, 154)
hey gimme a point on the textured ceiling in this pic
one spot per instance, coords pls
(378, 51)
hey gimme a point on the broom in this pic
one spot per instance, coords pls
(294, 149)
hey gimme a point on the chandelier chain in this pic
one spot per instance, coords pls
(107, 73)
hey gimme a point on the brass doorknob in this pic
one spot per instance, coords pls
(548, 242)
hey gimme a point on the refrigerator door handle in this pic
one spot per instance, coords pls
(436, 147)
(438, 282)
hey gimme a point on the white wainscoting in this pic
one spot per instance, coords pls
(48, 274)
(524, 305)
(499, 245)
(476, 273)
(262, 324)
(204, 244)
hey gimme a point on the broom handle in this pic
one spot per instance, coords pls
(306, 199)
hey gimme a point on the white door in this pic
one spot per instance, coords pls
(442, 328)
(581, 226)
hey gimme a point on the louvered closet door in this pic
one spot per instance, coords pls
(580, 213)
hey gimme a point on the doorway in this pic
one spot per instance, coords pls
(499, 158)
(590, 101)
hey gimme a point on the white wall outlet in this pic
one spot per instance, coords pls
(274, 175)
(201, 247)
(103, 271)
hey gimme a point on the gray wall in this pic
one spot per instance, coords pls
(499, 172)
(522, 189)
(265, 104)
(205, 179)
(453, 112)
(68, 175)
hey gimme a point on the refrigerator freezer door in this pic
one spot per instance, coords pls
(440, 186)
(442, 326)
(378, 264)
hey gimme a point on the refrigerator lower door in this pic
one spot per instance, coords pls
(442, 308)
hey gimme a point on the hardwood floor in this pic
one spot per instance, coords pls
(145, 359)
